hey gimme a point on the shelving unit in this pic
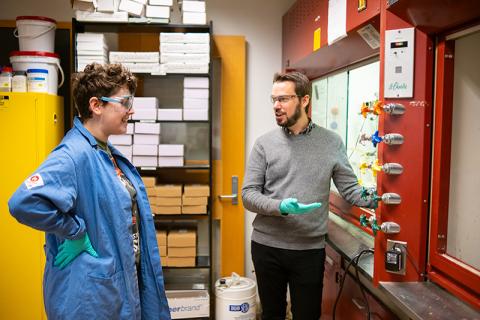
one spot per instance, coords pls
(145, 37)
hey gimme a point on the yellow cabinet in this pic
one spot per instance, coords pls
(31, 125)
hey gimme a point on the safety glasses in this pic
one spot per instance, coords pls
(126, 101)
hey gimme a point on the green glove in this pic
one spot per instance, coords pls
(291, 206)
(70, 249)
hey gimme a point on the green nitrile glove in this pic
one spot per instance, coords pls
(291, 206)
(70, 249)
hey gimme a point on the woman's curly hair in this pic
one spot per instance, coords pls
(98, 80)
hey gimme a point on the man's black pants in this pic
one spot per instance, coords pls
(302, 270)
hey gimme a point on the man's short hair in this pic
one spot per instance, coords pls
(98, 80)
(302, 84)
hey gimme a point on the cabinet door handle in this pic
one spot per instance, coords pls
(234, 195)
(358, 304)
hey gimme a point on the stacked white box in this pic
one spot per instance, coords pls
(145, 108)
(91, 47)
(185, 52)
(135, 11)
(121, 139)
(193, 12)
(138, 62)
(170, 155)
(147, 127)
(195, 98)
(169, 114)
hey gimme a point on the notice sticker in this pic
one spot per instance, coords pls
(34, 181)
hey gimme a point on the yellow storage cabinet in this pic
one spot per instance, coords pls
(31, 125)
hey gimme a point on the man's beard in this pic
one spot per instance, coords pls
(294, 118)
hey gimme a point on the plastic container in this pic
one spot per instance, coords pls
(19, 81)
(6, 79)
(24, 60)
(236, 298)
(35, 33)
(37, 80)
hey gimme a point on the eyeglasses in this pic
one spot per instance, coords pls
(126, 101)
(283, 99)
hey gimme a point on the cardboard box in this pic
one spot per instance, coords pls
(196, 82)
(193, 37)
(150, 193)
(172, 37)
(147, 127)
(146, 139)
(162, 237)
(195, 114)
(132, 7)
(149, 182)
(160, 2)
(170, 161)
(166, 210)
(194, 201)
(188, 303)
(144, 161)
(130, 127)
(169, 114)
(144, 113)
(193, 6)
(168, 190)
(145, 103)
(125, 150)
(158, 12)
(121, 139)
(168, 201)
(181, 261)
(185, 58)
(174, 47)
(196, 93)
(182, 238)
(174, 150)
(182, 252)
(194, 209)
(163, 251)
(108, 5)
(195, 103)
(196, 190)
(145, 150)
(191, 68)
(194, 17)
(101, 16)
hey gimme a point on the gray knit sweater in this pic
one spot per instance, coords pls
(296, 166)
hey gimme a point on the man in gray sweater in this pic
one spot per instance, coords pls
(287, 183)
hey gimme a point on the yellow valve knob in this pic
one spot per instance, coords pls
(364, 110)
(378, 107)
(363, 167)
(376, 168)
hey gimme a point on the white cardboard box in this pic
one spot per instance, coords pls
(173, 47)
(195, 93)
(193, 6)
(158, 12)
(160, 2)
(185, 58)
(108, 5)
(171, 150)
(170, 161)
(189, 103)
(101, 16)
(144, 114)
(130, 127)
(194, 17)
(132, 7)
(145, 103)
(195, 114)
(147, 127)
(172, 37)
(145, 150)
(169, 114)
(196, 82)
(141, 1)
(197, 37)
(121, 139)
(125, 150)
(146, 139)
(188, 303)
(186, 68)
(144, 161)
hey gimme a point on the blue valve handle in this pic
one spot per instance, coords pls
(376, 139)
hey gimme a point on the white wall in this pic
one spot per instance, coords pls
(259, 21)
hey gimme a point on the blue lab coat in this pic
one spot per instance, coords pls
(76, 191)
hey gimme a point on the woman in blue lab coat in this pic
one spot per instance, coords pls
(102, 254)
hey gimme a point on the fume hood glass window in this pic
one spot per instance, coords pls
(336, 105)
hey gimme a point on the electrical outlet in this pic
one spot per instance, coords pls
(391, 259)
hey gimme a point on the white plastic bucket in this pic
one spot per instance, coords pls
(35, 33)
(236, 298)
(24, 60)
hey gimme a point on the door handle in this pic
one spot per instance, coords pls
(234, 195)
